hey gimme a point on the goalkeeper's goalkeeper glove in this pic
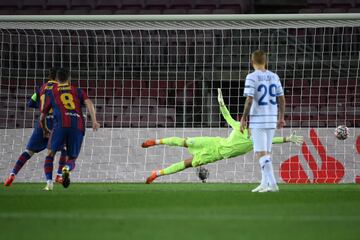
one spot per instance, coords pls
(220, 98)
(298, 140)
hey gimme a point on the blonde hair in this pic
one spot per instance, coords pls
(259, 57)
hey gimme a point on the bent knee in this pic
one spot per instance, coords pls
(51, 153)
(261, 154)
(30, 152)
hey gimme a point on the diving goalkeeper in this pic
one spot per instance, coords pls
(206, 150)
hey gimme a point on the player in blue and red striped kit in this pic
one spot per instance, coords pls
(69, 124)
(38, 142)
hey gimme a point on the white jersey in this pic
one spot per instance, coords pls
(265, 87)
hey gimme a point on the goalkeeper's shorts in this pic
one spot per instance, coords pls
(205, 150)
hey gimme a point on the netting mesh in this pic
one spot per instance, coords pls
(154, 79)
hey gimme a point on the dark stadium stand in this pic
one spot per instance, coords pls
(71, 7)
(313, 100)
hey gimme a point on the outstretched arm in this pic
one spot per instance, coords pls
(298, 140)
(225, 112)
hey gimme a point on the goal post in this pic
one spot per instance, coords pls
(153, 76)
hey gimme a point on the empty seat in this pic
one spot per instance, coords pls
(206, 4)
(99, 102)
(76, 12)
(344, 4)
(58, 4)
(318, 4)
(165, 111)
(34, 4)
(126, 11)
(200, 11)
(113, 110)
(157, 4)
(328, 110)
(10, 5)
(354, 10)
(52, 12)
(313, 123)
(310, 10)
(240, 6)
(133, 4)
(124, 102)
(145, 102)
(159, 121)
(82, 4)
(108, 4)
(7, 11)
(150, 11)
(101, 12)
(27, 12)
(184, 4)
(175, 11)
(334, 10)
(225, 11)
(135, 84)
(321, 82)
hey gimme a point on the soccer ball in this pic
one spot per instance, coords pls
(341, 132)
(202, 173)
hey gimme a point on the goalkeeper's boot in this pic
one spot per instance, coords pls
(65, 176)
(151, 178)
(149, 143)
(9, 180)
(49, 186)
(260, 188)
(59, 179)
(273, 188)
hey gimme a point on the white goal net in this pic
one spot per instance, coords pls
(156, 76)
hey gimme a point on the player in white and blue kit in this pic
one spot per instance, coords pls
(264, 93)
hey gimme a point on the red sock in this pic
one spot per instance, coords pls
(20, 162)
(48, 167)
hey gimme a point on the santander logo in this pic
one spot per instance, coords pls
(329, 171)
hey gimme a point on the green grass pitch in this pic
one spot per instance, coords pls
(179, 211)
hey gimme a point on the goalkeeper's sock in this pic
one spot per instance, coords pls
(173, 141)
(20, 162)
(174, 168)
(264, 177)
(48, 167)
(269, 171)
(62, 161)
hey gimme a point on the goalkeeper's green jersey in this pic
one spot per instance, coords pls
(237, 143)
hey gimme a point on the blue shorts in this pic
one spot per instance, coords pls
(72, 138)
(37, 142)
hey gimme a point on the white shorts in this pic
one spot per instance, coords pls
(262, 138)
